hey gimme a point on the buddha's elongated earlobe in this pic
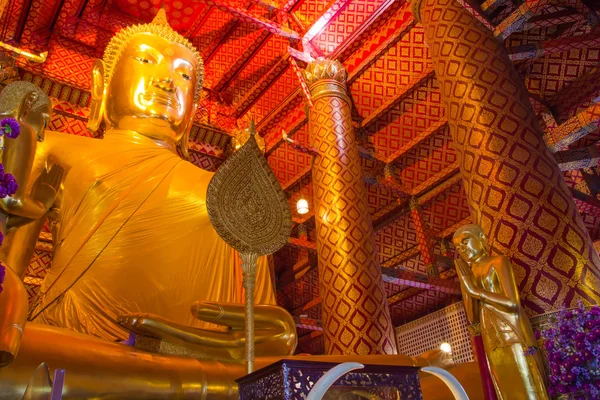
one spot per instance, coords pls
(184, 141)
(97, 103)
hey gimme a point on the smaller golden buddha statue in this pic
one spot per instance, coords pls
(492, 300)
(32, 109)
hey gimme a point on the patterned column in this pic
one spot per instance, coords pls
(356, 319)
(514, 186)
(423, 239)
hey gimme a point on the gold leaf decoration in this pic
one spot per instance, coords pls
(246, 204)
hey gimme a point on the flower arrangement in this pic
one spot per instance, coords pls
(573, 347)
(9, 128)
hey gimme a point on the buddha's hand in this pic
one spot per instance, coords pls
(144, 324)
(46, 187)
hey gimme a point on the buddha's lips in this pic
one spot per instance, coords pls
(159, 98)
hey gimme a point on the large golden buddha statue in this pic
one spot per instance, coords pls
(132, 232)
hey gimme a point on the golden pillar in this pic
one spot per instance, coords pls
(356, 318)
(513, 184)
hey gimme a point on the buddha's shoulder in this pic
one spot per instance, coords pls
(192, 174)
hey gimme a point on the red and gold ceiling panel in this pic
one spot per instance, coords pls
(262, 62)
(379, 197)
(40, 17)
(115, 20)
(396, 237)
(232, 47)
(68, 62)
(288, 162)
(93, 36)
(420, 305)
(447, 209)
(309, 10)
(216, 26)
(427, 160)
(274, 95)
(352, 14)
(392, 73)
(294, 119)
(407, 119)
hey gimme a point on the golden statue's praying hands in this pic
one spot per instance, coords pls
(492, 300)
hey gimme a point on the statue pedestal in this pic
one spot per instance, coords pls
(293, 379)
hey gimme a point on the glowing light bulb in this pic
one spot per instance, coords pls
(445, 347)
(302, 206)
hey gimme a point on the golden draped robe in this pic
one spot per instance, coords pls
(134, 236)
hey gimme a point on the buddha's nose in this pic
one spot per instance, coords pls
(165, 84)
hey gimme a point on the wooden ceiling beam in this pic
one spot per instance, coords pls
(553, 46)
(414, 291)
(422, 281)
(310, 324)
(580, 125)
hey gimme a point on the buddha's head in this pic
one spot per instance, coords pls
(27, 103)
(148, 81)
(470, 243)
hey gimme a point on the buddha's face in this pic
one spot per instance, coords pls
(470, 245)
(152, 88)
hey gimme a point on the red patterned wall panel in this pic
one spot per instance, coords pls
(68, 62)
(425, 160)
(420, 305)
(265, 58)
(447, 209)
(407, 119)
(234, 46)
(345, 23)
(279, 90)
(391, 73)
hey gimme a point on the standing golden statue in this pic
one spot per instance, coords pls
(492, 300)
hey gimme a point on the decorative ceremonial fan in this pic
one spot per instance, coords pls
(249, 210)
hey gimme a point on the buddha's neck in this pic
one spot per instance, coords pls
(137, 138)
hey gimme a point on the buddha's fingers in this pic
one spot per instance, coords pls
(266, 317)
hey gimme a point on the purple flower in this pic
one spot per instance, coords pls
(531, 350)
(8, 184)
(10, 127)
(1, 238)
(571, 345)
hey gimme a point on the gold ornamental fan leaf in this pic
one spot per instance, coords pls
(246, 204)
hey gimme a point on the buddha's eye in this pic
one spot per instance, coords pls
(143, 60)
(186, 77)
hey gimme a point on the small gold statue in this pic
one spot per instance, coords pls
(492, 300)
(32, 109)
